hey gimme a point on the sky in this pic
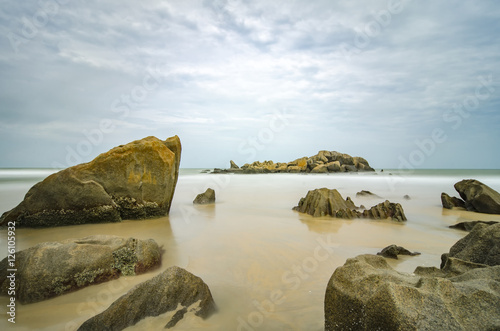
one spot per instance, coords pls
(403, 83)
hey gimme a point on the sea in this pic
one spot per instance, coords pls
(266, 265)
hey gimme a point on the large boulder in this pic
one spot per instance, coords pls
(54, 268)
(325, 202)
(367, 294)
(478, 196)
(481, 245)
(163, 293)
(132, 181)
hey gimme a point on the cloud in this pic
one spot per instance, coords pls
(355, 74)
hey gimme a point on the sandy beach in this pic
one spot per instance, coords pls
(266, 265)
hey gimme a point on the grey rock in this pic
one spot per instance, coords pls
(132, 181)
(205, 198)
(154, 297)
(325, 202)
(386, 210)
(478, 196)
(469, 225)
(367, 294)
(364, 193)
(320, 169)
(481, 245)
(54, 268)
(333, 166)
(392, 252)
(451, 202)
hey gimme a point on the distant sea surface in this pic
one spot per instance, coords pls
(251, 245)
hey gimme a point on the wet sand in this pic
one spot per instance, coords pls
(266, 265)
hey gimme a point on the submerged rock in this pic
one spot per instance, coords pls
(326, 202)
(364, 193)
(54, 268)
(451, 202)
(205, 198)
(367, 294)
(385, 210)
(392, 251)
(478, 196)
(163, 293)
(469, 225)
(132, 181)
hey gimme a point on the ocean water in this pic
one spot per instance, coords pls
(266, 265)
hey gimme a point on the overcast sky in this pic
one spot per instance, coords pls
(401, 83)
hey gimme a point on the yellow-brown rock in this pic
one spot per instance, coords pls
(132, 181)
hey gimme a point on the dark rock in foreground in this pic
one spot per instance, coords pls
(392, 252)
(451, 202)
(481, 245)
(205, 198)
(154, 297)
(476, 196)
(367, 294)
(468, 226)
(464, 294)
(323, 162)
(132, 181)
(325, 202)
(54, 268)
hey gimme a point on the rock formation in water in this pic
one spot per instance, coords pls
(54, 268)
(366, 194)
(326, 202)
(392, 252)
(476, 197)
(205, 198)
(385, 210)
(323, 162)
(163, 293)
(451, 202)
(464, 294)
(132, 181)
(469, 225)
